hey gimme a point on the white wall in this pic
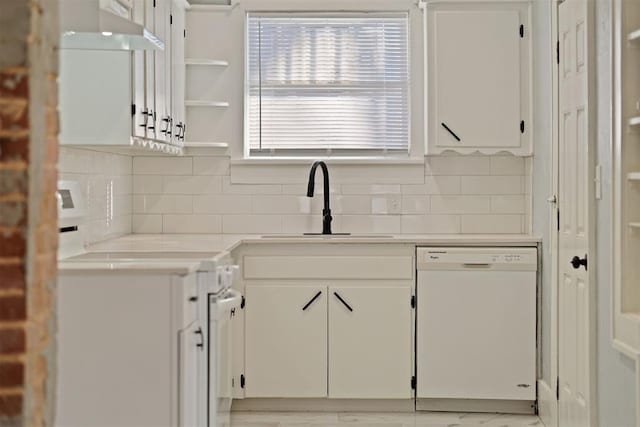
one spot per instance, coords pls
(616, 372)
(106, 180)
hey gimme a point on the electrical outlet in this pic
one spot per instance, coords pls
(386, 205)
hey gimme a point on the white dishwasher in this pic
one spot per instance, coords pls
(476, 323)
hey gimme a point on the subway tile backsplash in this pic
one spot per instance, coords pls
(157, 194)
(459, 194)
(107, 183)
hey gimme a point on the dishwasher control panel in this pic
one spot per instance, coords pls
(488, 257)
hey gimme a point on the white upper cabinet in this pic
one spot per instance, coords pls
(177, 64)
(139, 118)
(478, 77)
(119, 100)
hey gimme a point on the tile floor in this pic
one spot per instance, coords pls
(347, 419)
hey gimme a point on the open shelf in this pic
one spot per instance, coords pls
(634, 121)
(220, 104)
(206, 144)
(204, 61)
(633, 176)
(213, 7)
(634, 36)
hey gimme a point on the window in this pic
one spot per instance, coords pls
(327, 84)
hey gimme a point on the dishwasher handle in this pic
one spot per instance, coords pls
(476, 265)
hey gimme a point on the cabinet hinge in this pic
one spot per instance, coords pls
(133, 109)
(522, 126)
(243, 302)
(558, 52)
(413, 301)
(413, 382)
(170, 19)
(521, 31)
(242, 381)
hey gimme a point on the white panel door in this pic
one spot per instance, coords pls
(370, 342)
(285, 341)
(476, 78)
(575, 347)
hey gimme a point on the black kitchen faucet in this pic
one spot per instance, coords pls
(326, 212)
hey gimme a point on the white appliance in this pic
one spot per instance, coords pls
(476, 323)
(222, 303)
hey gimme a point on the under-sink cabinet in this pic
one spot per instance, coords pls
(328, 321)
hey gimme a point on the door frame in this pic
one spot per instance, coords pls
(592, 216)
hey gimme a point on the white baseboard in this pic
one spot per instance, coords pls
(477, 405)
(324, 405)
(547, 404)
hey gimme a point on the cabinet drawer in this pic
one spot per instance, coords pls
(328, 267)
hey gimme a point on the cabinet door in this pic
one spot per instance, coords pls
(476, 84)
(286, 341)
(162, 62)
(150, 73)
(139, 124)
(370, 342)
(178, 70)
(95, 96)
(190, 353)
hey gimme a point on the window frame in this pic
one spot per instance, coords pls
(347, 155)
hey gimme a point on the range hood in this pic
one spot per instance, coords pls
(103, 25)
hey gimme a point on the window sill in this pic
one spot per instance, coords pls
(279, 161)
(343, 170)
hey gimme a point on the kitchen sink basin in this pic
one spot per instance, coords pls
(328, 236)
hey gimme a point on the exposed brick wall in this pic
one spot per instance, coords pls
(14, 145)
(28, 214)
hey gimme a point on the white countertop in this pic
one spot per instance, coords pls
(214, 246)
(228, 242)
(178, 267)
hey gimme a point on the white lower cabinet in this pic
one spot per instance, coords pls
(189, 363)
(286, 341)
(370, 342)
(365, 352)
(128, 350)
(326, 321)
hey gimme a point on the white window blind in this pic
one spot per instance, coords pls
(327, 83)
